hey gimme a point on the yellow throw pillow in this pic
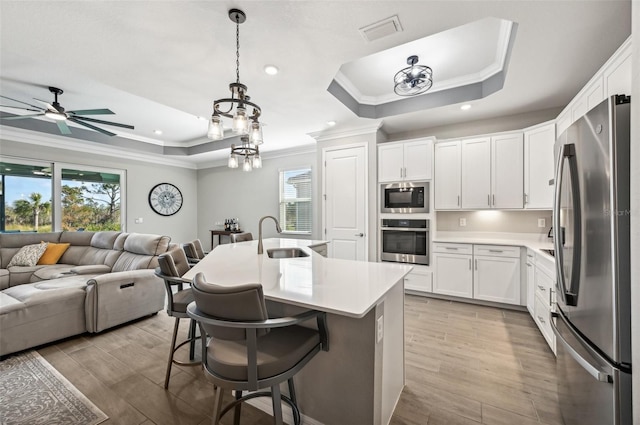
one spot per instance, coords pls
(53, 253)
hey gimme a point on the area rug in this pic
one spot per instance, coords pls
(33, 392)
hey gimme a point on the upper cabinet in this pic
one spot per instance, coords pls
(613, 78)
(448, 171)
(405, 161)
(539, 166)
(479, 173)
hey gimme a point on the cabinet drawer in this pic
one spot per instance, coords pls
(543, 319)
(531, 257)
(547, 264)
(418, 281)
(497, 250)
(544, 286)
(452, 248)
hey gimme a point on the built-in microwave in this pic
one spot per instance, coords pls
(404, 197)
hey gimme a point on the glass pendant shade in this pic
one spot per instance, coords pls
(233, 161)
(257, 161)
(247, 165)
(255, 134)
(240, 122)
(216, 131)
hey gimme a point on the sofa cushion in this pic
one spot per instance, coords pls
(19, 275)
(4, 279)
(104, 240)
(53, 271)
(53, 253)
(28, 255)
(146, 244)
(10, 243)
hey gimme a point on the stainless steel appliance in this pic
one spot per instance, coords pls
(591, 238)
(405, 197)
(405, 240)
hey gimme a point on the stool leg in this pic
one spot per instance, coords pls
(171, 350)
(237, 409)
(192, 338)
(217, 405)
(292, 396)
(277, 404)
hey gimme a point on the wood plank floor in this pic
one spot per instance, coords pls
(465, 364)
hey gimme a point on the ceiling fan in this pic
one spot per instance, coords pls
(56, 112)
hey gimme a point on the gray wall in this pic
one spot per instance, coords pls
(493, 221)
(635, 207)
(141, 177)
(473, 128)
(232, 193)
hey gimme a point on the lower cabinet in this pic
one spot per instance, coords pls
(482, 272)
(544, 298)
(419, 280)
(531, 284)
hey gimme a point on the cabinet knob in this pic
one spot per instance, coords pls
(359, 235)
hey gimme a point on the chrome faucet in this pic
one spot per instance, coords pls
(278, 228)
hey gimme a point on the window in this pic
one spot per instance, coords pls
(295, 200)
(41, 197)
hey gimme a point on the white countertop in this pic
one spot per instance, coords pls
(536, 242)
(344, 287)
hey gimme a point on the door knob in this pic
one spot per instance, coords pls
(359, 234)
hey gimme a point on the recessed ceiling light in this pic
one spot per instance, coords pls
(465, 107)
(201, 118)
(331, 123)
(271, 69)
(158, 132)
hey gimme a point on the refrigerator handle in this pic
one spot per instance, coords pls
(569, 294)
(591, 369)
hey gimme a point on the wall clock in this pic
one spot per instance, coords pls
(165, 199)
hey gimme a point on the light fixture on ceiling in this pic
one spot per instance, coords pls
(331, 123)
(158, 132)
(414, 79)
(248, 152)
(243, 123)
(465, 107)
(271, 69)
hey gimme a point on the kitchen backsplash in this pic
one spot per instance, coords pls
(493, 221)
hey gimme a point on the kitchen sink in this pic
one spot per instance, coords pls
(286, 253)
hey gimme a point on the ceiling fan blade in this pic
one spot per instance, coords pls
(21, 108)
(93, 127)
(93, 112)
(49, 106)
(19, 101)
(117, 124)
(64, 128)
(21, 117)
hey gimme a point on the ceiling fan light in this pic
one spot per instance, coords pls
(56, 115)
(413, 80)
(215, 131)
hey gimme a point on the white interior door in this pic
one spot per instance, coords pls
(345, 187)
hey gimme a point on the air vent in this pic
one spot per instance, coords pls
(381, 29)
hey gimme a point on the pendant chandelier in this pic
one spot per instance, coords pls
(413, 80)
(236, 108)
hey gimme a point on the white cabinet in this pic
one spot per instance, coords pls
(447, 176)
(492, 172)
(453, 270)
(496, 273)
(476, 173)
(617, 72)
(507, 162)
(420, 279)
(531, 283)
(544, 297)
(482, 272)
(539, 166)
(405, 161)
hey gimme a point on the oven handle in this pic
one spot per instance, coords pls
(405, 229)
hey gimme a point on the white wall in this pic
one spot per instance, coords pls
(232, 193)
(141, 177)
(635, 207)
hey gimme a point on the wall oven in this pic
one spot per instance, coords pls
(405, 240)
(405, 197)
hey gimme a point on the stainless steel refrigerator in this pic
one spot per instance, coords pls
(591, 236)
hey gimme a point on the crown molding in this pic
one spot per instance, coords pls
(321, 136)
(265, 156)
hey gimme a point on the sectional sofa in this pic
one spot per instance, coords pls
(102, 279)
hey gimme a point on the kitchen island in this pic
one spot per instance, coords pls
(359, 380)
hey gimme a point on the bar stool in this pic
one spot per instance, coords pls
(194, 251)
(174, 264)
(241, 237)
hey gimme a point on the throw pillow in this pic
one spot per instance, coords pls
(53, 253)
(28, 255)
